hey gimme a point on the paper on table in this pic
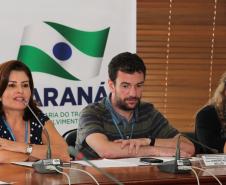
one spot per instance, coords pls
(214, 159)
(1, 182)
(29, 164)
(105, 163)
(125, 162)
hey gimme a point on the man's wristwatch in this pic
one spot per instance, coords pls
(29, 149)
(152, 143)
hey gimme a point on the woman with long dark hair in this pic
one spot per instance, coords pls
(21, 136)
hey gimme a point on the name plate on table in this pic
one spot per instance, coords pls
(214, 160)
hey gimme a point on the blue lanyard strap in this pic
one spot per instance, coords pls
(26, 132)
(114, 118)
(11, 132)
(119, 131)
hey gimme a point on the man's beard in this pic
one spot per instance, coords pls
(121, 104)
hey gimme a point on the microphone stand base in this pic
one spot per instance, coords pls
(174, 167)
(47, 166)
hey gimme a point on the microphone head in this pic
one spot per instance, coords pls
(80, 156)
(214, 151)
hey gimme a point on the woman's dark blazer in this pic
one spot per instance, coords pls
(208, 129)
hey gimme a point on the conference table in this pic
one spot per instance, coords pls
(142, 175)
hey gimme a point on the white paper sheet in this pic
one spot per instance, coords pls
(29, 164)
(108, 163)
(1, 182)
(104, 163)
(126, 162)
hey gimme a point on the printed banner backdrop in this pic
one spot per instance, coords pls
(67, 45)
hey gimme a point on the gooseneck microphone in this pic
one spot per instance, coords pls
(45, 165)
(109, 176)
(80, 156)
(182, 165)
(178, 165)
(49, 153)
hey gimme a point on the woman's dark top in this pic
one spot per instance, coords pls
(35, 129)
(209, 130)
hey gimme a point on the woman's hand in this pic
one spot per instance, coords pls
(12, 146)
(10, 151)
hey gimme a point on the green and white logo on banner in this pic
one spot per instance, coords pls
(63, 51)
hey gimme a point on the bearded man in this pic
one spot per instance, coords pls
(121, 125)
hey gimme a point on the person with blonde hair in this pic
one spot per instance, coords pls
(211, 120)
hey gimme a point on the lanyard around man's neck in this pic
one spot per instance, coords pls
(115, 120)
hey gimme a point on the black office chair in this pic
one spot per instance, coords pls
(70, 138)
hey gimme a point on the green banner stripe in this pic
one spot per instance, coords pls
(90, 43)
(39, 61)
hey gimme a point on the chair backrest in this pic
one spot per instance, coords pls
(70, 137)
(192, 137)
